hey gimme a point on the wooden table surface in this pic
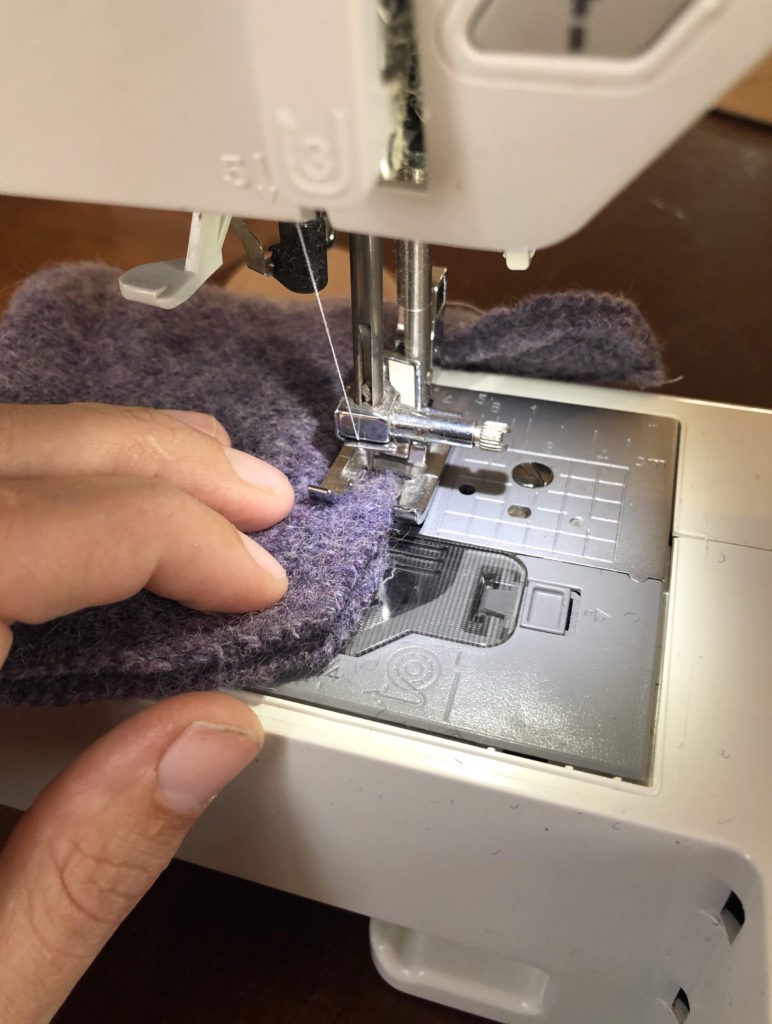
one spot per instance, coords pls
(689, 241)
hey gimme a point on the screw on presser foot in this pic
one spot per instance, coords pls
(490, 436)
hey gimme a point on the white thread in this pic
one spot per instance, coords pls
(327, 330)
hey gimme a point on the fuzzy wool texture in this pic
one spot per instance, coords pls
(265, 370)
(584, 337)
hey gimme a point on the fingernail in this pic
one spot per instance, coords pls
(203, 421)
(202, 761)
(264, 558)
(256, 472)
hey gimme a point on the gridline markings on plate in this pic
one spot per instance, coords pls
(578, 515)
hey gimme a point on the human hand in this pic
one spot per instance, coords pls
(99, 835)
(97, 502)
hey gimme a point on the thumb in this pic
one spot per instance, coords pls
(101, 833)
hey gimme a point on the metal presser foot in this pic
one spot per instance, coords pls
(418, 460)
(388, 421)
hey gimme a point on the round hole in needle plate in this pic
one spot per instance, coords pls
(532, 474)
(519, 511)
(467, 489)
(576, 521)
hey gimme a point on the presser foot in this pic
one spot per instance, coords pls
(412, 444)
(419, 465)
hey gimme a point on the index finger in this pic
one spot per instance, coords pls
(71, 544)
(89, 439)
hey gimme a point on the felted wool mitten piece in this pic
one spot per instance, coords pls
(584, 337)
(266, 372)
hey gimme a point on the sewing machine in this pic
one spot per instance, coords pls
(539, 765)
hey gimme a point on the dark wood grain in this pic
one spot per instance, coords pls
(689, 241)
(206, 947)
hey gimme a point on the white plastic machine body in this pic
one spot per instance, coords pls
(511, 887)
(536, 112)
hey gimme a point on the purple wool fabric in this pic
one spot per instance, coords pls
(265, 371)
(585, 337)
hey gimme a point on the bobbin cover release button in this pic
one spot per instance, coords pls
(546, 608)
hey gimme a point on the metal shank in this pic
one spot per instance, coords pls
(416, 314)
(367, 317)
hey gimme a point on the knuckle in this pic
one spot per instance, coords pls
(149, 443)
(96, 881)
(155, 443)
(87, 887)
